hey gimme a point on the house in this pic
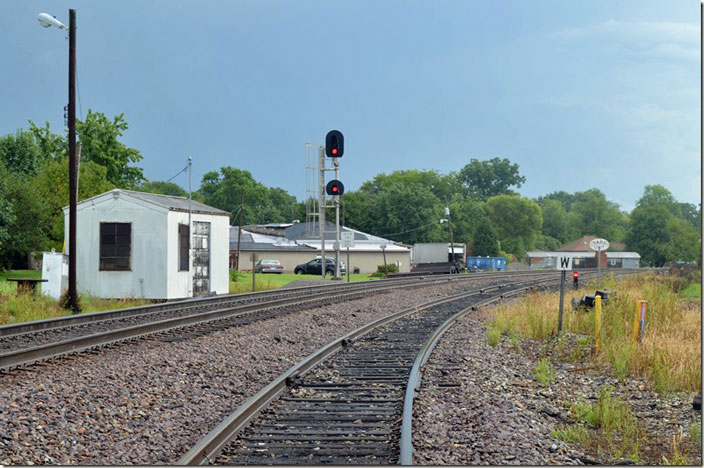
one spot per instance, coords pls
(296, 243)
(136, 244)
(584, 257)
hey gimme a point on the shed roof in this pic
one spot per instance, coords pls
(175, 203)
(170, 202)
(573, 254)
(622, 255)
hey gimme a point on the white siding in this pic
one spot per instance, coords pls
(148, 248)
(180, 283)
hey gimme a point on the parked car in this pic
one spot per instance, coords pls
(314, 267)
(268, 266)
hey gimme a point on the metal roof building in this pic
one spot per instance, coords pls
(296, 243)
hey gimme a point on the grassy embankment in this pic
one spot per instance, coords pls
(267, 281)
(669, 356)
(15, 308)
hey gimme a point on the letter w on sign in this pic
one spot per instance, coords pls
(564, 263)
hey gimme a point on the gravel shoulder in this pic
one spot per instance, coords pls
(479, 405)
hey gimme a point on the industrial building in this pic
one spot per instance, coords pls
(136, 244)
(296, 243)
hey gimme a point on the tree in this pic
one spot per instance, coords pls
(6, 214)
(557, 222)
(485, 179)
(443, 187)
(51, 185)
(98, 136)
(517, 222)
(163, 188)
(597, 216)
(692, 214)
(657, 233)
(485, 240)
(51, 145)
(261, 204)
(407, 214)
(20, 153)
(565, 199)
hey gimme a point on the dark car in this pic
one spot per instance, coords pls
(314, 267)
(268, 266)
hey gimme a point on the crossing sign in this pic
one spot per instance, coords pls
(564, 262)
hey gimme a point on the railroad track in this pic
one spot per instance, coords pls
(28, 343)
(350, 402)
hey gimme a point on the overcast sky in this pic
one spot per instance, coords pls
(583, 94)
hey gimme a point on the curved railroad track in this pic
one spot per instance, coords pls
(27, 343)
(344, 404)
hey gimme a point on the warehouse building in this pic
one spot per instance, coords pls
(135, 244)
(296, 243)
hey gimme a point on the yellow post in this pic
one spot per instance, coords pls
(597, 322)
(636, 322)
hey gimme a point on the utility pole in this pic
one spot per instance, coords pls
(190, 233)
(72, 164)
(321, 205)
(452, 240)
(336, 163)
(239, 234)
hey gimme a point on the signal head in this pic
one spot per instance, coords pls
(334, 144)
(334, 187)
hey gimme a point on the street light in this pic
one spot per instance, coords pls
(46, 20)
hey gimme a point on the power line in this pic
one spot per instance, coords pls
(404, 232)
(178, 173)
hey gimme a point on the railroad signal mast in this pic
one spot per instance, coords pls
(334, 149)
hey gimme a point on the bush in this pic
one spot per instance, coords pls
(544, 373)
(392, 268)
(493, 335)
(235, 276)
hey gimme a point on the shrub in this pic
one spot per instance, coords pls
(493, 335)
(544, 372)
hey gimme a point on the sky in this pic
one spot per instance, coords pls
(584, 94)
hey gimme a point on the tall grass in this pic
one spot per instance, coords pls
(16, 308)
(670, 353)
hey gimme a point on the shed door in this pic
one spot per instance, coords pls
(201, 259)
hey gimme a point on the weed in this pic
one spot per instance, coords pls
(544, 372)
(615, 427)
(575, 434)
(515, 339)
(493, 335)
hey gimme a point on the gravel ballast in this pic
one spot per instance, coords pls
(148, 402)
(479, 405)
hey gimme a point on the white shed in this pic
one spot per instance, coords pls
(135, 244)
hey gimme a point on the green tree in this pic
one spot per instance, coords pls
(517, 222)
(557, 222)
(162, 188)
(443, 187)
(566, 199)
(547, 243)
(486, 241)
(407, 214)
(20, 153)
(51, 186)
(692, 214)
(6, 213)
(99, 138)
(261, 204)
(597, 216)
(656, 231)
(485, 179)
(50, 144)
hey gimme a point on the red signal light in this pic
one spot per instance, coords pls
(334, 187)
(334, 151)
(575, 274)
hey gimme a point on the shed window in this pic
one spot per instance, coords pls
(115, 246)
(183, 247)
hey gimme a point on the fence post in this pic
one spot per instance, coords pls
(597, 322)
(636, 323)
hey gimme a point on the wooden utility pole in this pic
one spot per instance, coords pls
(72, 302)
(239, 235)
